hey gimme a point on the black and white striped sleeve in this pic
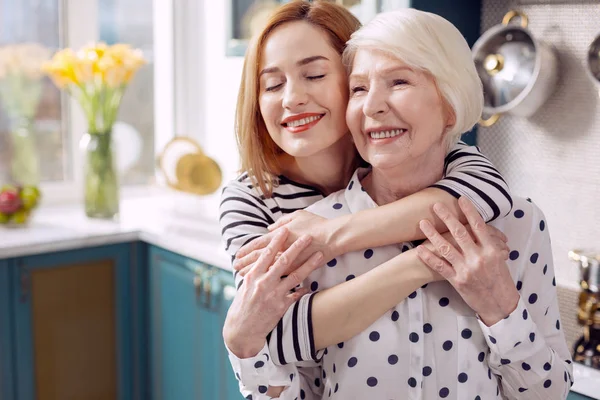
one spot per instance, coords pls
(244, 216)
(469, 173)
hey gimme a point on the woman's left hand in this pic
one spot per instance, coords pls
(478, 270)
(298, 224)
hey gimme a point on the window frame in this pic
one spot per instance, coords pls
(79, 25)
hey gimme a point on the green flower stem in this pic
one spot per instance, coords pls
(101, 180)
(25, 168)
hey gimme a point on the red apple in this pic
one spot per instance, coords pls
(9, 201)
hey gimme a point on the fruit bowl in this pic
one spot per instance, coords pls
(17, 203)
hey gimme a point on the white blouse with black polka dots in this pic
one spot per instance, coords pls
(432, 345)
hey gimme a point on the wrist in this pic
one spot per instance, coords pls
(338, 240)
(421, 272)
(504, 309)
(244, 346)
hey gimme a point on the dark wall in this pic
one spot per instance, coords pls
(466, 16)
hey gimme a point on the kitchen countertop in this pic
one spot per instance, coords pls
(587, 381)
(185, 224)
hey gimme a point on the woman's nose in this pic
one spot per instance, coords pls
(294, 95)
(375, 104)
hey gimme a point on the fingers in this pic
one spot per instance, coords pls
(281, 222)
(297, 276)
(267, 256)
(435, 263)
(476, 223)
(295, 296)
(286, 258)
(444, 248)
(458, 231)
(245, 270)
(245, 261)
(256, 244)
(493, 231)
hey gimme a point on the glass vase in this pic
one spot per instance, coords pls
(25, 167)
(101, 183)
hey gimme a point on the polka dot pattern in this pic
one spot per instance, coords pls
(416, 324)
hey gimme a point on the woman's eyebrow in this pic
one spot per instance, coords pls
(308, 60)
(385, 71)
(300, 63)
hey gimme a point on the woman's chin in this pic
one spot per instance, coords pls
(385, 161)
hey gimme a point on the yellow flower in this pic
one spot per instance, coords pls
(62, 68)
(125, 60)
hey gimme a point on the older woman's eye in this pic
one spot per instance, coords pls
(315, 77)
(273, 88)
(398, 82)
(357, 89)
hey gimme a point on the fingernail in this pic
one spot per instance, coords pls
(423, 224)
(305, 238)
(318, 256)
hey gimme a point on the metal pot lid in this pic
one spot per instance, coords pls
(505, 58)
(594, 58)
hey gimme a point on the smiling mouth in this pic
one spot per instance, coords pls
(302, 121)
(386, 134)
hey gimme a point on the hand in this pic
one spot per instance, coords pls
(298, 224)
(478, 272)
(498, 237)
(265, 296)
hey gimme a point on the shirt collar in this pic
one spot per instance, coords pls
(355, 195)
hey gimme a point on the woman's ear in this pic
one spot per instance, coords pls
(450, 117)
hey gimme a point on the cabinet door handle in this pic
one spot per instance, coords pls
(207, 290)
(198, 285)
(229, 292)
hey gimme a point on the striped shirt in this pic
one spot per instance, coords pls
(246, 214)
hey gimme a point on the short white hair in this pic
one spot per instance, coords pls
(428, 42)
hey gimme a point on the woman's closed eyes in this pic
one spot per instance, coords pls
(395, 82)
(273, 88)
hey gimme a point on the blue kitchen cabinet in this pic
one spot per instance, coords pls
(7, 389)
(69, 321)
(578, 396)
(188, 304)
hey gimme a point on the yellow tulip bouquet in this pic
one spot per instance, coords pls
(97, 76)
(20, 93)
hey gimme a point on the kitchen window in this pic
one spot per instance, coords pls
(146, 119)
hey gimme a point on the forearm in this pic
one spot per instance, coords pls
(392, 223)
(343, 311)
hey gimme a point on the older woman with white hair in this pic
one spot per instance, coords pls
(491, 328)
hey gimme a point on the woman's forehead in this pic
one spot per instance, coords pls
(294, 41)
(368, 61)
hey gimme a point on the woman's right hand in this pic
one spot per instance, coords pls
(497, 237)
(264, 296)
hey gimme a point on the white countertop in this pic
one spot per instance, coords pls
(587, 381)
(185, 224)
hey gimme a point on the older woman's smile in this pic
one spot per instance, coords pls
(380, 135)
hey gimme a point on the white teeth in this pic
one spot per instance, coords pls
(386, 134)
(303, 121)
